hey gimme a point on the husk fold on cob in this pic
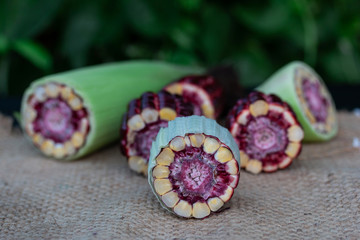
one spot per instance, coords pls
(105, 91)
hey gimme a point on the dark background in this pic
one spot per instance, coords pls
(39, 37)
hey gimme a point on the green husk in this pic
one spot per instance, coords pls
(107, 89)
(282, 83)
(182, 126)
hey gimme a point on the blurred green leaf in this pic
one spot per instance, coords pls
(35, 53)
(182, 39)
(329, 24)
(215, 33)
(112, 24)
(253, 63)
(148, 23)
(179, 57)
(184, 35)
(190, 26)
(258, 36)
(4, 44)
(137, 51)
(270, 19)
(310, 30)
(331, 65)
(150, 18)
(25, 18)
(350, 60)
(79, 35)
(343, 65)
(190, 5)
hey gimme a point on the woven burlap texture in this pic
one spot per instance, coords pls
(98, 197)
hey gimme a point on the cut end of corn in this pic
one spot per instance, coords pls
(55, 119)
(304, 90)
(315, 100)
(267, 132)
(203, 92)
(145, 117)
(195, 173)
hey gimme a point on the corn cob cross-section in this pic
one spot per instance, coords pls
(71, 114)
(145, 116)
(203, 91)
(266, 131)
(303, 89)
(193, 167)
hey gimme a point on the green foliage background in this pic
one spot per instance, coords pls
(39, 37)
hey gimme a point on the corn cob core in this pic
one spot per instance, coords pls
(194, 166)
(56, 120)
(202, 91)
(304, 90)
(85, 106)
(315, 101)
(266, 131)
(142, 122)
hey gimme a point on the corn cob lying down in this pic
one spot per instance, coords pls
(300, 86)
(193, 166)
(204, 92)
(190, 95)
(71, 114)
(266, 131)
(145, 116)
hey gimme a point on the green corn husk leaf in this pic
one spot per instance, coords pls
(182, 126)
(107, 89)
(282, 83)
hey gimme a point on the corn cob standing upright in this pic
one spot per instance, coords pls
(71, 114)
(193, 166)
(266, 131)
(304, 90)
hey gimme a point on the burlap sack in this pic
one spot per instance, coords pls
(98, 197)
